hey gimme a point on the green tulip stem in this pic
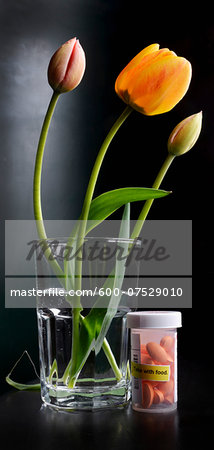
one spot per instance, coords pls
(37, 183)
(111, 359)
(147, 205)
(103, 149)
(81, 233)
(92, 182)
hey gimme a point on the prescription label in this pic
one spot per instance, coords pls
(150, 372)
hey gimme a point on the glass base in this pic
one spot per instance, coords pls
(80, 398)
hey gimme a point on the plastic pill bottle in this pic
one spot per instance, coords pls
(154, 359)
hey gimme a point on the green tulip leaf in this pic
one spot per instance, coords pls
(119, 272)
(105, 204)
(23, 386)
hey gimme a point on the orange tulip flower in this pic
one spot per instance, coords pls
(154, 81)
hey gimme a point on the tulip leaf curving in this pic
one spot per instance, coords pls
(105, 204)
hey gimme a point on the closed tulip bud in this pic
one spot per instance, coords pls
(185, 135)
(154, 81)
(66, 67)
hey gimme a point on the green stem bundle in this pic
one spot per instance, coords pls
(85, 211)
(76, 312)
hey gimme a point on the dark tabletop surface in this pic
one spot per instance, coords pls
(27, 424)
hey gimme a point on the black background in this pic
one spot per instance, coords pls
(111, 33)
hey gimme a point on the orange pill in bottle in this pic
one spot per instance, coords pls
(154, 359)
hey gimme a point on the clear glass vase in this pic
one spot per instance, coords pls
(103, 380)
(96, 386)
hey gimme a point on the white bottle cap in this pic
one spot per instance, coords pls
(154, 319)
